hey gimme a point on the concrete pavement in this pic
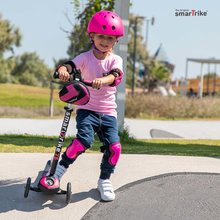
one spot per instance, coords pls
(15, 168)
(142, 129)
(178, 187)
(179, 196)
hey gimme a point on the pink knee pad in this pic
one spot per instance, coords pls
(115, 149)
(75, 149)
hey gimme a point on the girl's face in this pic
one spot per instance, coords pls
(104, 43)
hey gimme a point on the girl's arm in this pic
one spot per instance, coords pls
(106, 80)
(113, 78)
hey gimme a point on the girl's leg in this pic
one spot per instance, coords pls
(108, 134)
(86, 125)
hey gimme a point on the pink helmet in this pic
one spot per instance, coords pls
(107, 23)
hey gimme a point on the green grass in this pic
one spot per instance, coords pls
(209, 148)
(26, 96)
(43, 144)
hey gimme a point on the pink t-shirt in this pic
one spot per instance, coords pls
(102, 100)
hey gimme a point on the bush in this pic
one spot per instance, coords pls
(152, 106)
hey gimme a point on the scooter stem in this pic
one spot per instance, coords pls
(66, 120)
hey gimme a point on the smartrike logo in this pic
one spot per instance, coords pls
(191, 13)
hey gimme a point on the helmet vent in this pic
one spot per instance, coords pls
(104, 27)
(113, 28)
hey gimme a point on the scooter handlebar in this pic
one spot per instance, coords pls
(56, 75)
(87, 83)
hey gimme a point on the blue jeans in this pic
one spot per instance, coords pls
(89, 123)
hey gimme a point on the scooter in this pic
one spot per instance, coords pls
(47, 183)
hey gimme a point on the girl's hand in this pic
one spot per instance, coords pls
(97, 83)
(63, 74)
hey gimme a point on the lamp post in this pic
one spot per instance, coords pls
(134, 53)
(152, 20)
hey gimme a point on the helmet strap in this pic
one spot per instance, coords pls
(99, 51)
(96, 49)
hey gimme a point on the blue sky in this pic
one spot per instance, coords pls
(41, 23)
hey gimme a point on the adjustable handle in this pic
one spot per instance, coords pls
(56, 75)
(87, 83)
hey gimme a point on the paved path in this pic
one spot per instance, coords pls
(142, 129)
(15, 168)
(179, 196)
(168, 187)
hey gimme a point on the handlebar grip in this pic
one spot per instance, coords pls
(56, 75)
(87, 83)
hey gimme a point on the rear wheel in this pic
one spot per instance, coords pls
(27, 187)
(68, 193)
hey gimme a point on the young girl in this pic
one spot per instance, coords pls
(101, 66)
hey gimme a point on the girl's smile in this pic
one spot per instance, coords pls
(104, 43)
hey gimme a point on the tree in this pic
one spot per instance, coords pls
(6, 66)
(151, 70)
(30, 70)
(142, 56)
(9, 37)
(27, 68)
(159, 71)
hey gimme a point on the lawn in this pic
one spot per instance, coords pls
(14, 95)
(44, 144)
(31, 98)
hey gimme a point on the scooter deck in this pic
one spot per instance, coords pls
(42, 173)
(36, 189)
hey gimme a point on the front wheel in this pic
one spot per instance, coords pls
(27, 187)
(68, 193)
